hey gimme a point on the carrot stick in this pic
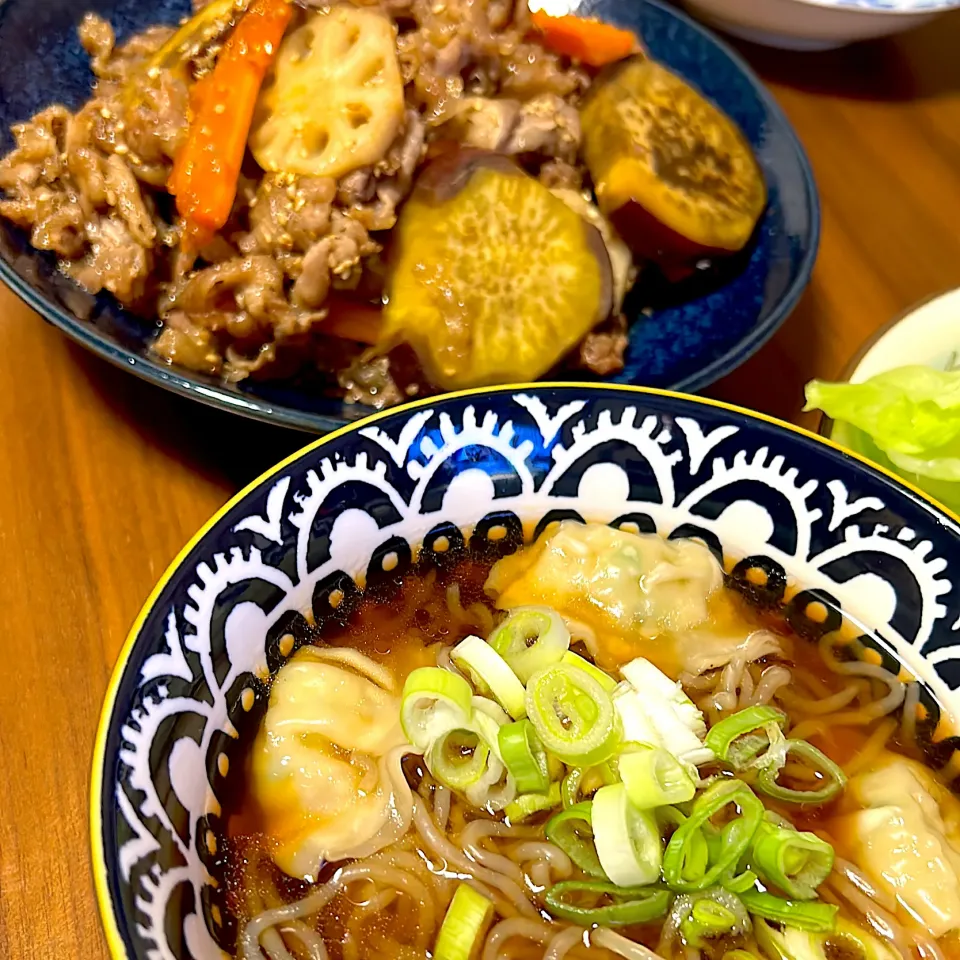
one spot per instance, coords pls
(590, 41)
(207, 167)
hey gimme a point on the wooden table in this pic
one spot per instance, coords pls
(103, 478)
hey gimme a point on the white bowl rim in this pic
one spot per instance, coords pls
(911, 8)
(941, 311)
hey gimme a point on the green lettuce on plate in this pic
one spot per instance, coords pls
(909, 414)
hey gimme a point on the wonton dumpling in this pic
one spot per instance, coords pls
(315, 762)
(907, 839)
(619, 584)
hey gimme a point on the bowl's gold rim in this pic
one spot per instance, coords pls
(105, 906)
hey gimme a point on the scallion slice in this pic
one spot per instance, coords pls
(586, 780)
(653, 777)
(794, 862)
(683, 857)
(530, 639)
(627, 905)
(572, 831)
(573, 715)
(490, 674)
(707, 920)
(707, 915)
(433, 702)
(604, 679)
(814, 915)
(831, 777)
(524, 756)
(628, 840)
(723, 738)
(495, 788)
(464, 925)
(528, 804)
(459, 758)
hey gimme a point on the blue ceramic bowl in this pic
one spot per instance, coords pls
(187, 693)
(695, 333)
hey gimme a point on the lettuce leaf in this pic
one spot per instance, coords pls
(911, 413)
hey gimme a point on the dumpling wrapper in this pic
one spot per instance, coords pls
(907, 839)
(622, 585)
(316, 770)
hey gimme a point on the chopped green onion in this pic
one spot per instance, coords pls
(524, 756)
(683, 858)
(492, 709)
(629, 906)
(628, 840)
(705, 915)
(433, 702)
(603, 678)
(530, 639)
(637, 726)
(458, 758)
(739, 883)
(490, 674)
(556, 768)
(586, 780)
(810, 915)
(723, 737)
(654, 684)
(707, 920)
(570, 788)
(528, 804)
(655, 710)
(739, 955)
(771, 941)
(464, 925)
(835, 779)
(572, 831)
(846, 939)
(653, 777)
(496, 788)
(573, 715)
(797, 863)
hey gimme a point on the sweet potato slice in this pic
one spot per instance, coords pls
(493, 278)
(674, 174)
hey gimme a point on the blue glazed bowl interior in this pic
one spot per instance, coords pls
(480, 471)
(687, 336)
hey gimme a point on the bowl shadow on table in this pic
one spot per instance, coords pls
(772, 380)
(920, 64)
(231, 450)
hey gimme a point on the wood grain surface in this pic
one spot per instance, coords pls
(103, 478)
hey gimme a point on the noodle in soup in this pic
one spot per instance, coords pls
(595, 747)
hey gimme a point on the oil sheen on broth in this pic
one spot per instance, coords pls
(595, 747)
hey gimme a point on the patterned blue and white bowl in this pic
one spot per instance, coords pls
(816, 24)
(477, 469)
